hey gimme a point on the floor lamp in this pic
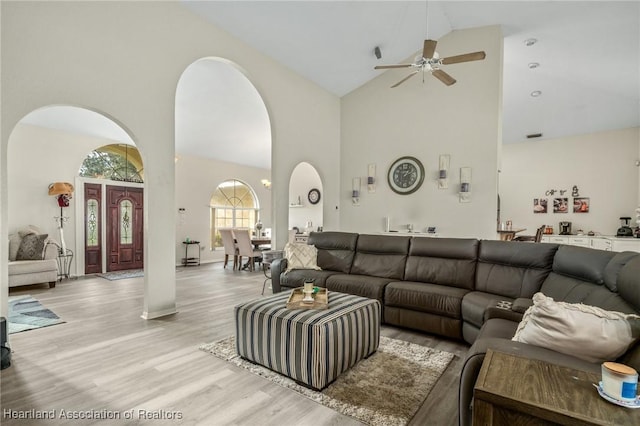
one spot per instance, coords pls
(63, 192)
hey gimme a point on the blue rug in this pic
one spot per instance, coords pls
(119, 275)
(26, 313)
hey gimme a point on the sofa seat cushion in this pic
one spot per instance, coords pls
(498, 328)
(296, 277)
(423, 297)
(360, 285)
(475, 303)
(20, 267)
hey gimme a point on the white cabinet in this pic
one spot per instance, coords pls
(580, 241)
(558, 239)
(601, 243)
(629, 244)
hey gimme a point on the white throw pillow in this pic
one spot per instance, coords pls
(301, 256)
(586, 332)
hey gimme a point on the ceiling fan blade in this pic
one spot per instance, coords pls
(429, 48)
(443, 77)
(404, 79)
(385, 67)
(467, 57)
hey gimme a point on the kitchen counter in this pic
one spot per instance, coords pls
(601, 242)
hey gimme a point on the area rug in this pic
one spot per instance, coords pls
(26, 313)
(119, 275)
(385, 389)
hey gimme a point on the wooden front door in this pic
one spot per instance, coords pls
(124, 228)
(93, 228)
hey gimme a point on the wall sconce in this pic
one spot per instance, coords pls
(371, 178)
(443, 171)
(465, 185)
(266, 183)
(355, 191)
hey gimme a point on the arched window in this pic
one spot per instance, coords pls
(120, 162)
(233, 205)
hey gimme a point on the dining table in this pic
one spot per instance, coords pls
(509, 234)
(260, 241)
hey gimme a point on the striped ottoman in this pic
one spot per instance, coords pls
(313, 347)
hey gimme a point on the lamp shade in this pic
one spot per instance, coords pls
(58, 188)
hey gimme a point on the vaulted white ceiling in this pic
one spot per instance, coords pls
(588, 54)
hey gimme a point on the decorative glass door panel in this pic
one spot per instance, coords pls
(124, 228)
(93, 228)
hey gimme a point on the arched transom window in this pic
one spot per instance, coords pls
(120, 162)
(233, 205)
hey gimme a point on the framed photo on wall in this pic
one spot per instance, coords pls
(581, 205)
(561, 205)
(540, 205)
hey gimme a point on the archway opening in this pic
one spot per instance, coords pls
(223, 134)
(62, 136)
(305, 199)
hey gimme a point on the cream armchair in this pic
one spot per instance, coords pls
(34, 260)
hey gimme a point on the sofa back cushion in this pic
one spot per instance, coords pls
(335, 250)
(381, 256)
(578, 276)
(582, 263)
(445, 261)
(513, 269)
(629, 283)
(614, 267)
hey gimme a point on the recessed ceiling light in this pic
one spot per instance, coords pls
(533, 65)
(530, 41)
(536, 93)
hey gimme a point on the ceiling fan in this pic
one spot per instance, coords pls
(430, 61)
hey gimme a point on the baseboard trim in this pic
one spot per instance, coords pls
(153, 315)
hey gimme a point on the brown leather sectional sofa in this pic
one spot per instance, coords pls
(469, 289)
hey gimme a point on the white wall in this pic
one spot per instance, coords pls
(380, 124)
(124, 59)
(303, 179)
(196, 181)
(602, 165)
(37, 157)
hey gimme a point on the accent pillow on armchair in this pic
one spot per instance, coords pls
(32, 247)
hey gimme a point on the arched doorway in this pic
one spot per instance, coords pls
(62, 136)
(223, 132)
(305, 198)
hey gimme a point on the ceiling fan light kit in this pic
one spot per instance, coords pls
(430, 62)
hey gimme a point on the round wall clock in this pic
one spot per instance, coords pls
(314, 196)
(405, 175)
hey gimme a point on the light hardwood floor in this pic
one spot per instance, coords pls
(105, 357)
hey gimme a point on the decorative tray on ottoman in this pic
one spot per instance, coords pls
(320, 299)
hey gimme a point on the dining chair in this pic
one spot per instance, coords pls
(292, 235)
(246, 249)
(532, 238)
(230, 247)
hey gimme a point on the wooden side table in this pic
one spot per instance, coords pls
(511, 391)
